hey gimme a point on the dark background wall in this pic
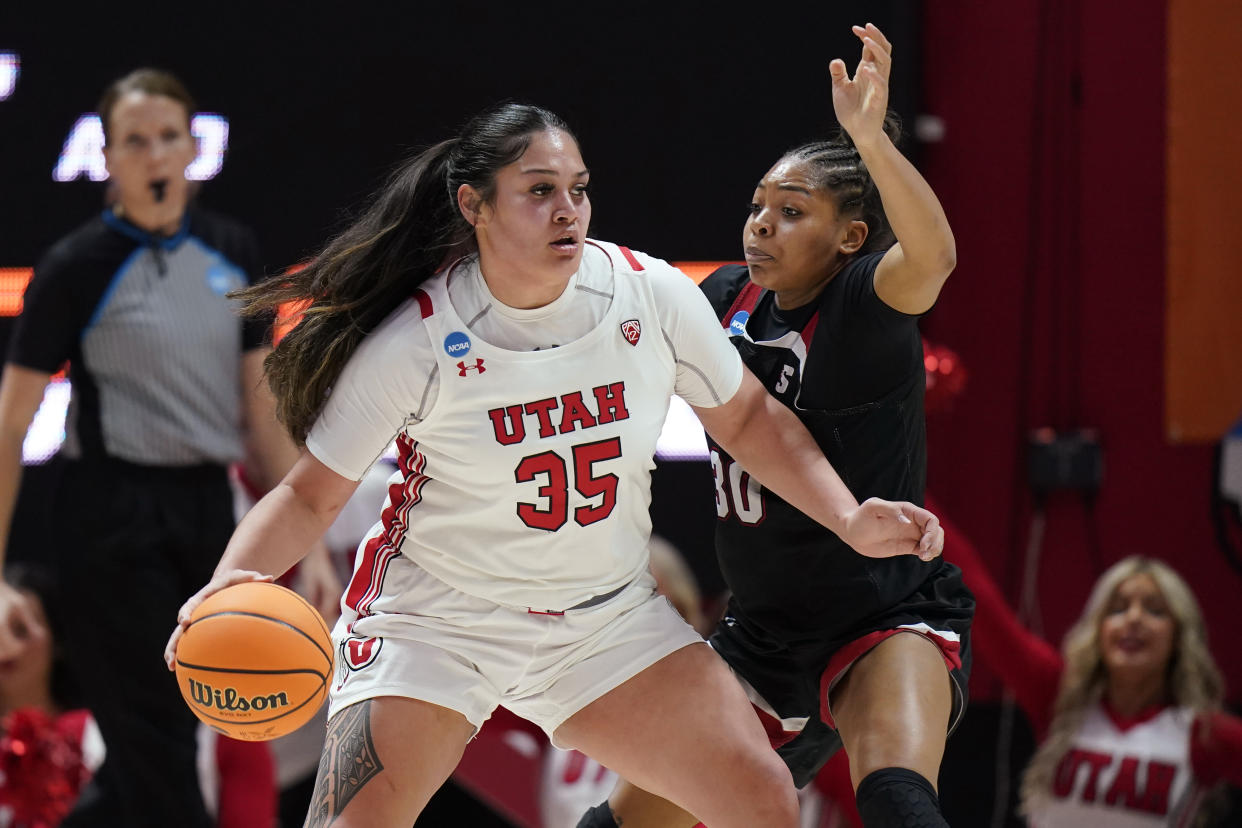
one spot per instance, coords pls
(1051, 169)
(680, 108)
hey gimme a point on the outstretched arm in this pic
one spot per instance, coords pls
(774, 446)
(910, 275)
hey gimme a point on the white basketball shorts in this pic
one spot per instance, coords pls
(468, 654)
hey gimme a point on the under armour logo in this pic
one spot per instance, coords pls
(631, 330)
(462, 367)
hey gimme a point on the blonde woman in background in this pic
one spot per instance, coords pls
(1128, 714)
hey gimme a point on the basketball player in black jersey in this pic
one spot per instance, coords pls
(846, 246)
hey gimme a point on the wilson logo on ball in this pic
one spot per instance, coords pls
(255, 661)
(228, 698)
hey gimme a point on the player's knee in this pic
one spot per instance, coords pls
(888, 742)
(780, 809)
(751, 788)
(772, 791)
(898, 798)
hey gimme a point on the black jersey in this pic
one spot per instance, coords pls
(851, 368)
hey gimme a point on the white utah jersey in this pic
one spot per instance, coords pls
(527, 480)
(1124, 776)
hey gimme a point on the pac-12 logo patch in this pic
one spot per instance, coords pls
(463, 368)
(631, 330)
(457, 344)
(737, 325)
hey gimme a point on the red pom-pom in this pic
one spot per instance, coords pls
(41, 767)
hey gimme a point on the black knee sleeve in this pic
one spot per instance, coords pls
(598, 817)
(898, 798)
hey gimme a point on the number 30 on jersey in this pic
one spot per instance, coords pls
(736, 491)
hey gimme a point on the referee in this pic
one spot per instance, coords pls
(167, 391)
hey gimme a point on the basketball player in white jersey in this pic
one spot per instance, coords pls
(526, 372)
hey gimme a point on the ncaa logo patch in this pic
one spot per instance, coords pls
(358, 653)
(631, 330)
(457, 344)
(737, 325)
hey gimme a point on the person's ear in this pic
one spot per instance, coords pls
(855, 236)
(470, 202)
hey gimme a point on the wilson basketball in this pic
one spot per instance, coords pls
(255, 662)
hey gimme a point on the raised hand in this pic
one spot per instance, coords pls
(862, 101)
(883, 529)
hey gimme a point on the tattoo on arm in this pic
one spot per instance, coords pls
(348, 762)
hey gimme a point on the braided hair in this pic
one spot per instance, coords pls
(837, 169)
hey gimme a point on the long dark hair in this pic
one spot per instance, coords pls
(410, 230)
(838, 170)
